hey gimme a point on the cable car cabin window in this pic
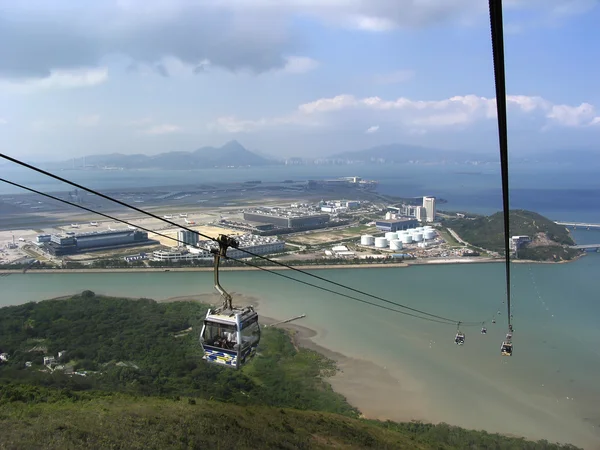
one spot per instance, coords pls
(250, 333)
(220, 336)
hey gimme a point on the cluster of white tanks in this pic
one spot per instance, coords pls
(396, 240)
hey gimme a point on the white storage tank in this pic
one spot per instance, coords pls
(406, 238)
(417, 237)
(396, 245)
(367, 239)
(410, 230)
(381, 242)
(390, 236)
(419, 229)
(429, 234)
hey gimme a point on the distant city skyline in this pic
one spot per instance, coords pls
(292, 79)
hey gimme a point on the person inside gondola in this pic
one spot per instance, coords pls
(230, 340)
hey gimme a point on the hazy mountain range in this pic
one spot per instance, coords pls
(230, 154)
(233, 154)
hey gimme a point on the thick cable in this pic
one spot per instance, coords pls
(99, 194)
(497, 32)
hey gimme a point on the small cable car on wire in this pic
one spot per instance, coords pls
(459, 339)
(230, 335)
(506, 348)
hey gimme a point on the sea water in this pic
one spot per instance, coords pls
(548, 389)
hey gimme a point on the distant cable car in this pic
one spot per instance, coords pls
(230, 335)
(459, 339)
(483, 330)
(506, 348)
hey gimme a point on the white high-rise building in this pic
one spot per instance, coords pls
(429, 205)
(187, 237)
(421, 213)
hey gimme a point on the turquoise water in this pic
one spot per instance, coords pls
(547, 389)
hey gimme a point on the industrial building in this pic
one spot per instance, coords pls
(396, 224)
(518, 242)
(335, 206)
(260, 245)
(285, 218)
(66, 245)
(187, 237)
(429, 205)
(180, 255)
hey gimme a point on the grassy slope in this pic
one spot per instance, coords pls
(120, 422)
(488, 232)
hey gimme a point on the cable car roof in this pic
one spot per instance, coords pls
(228, 316)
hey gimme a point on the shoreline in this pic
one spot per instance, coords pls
(376, 392)
(364, 384)
(417, 262)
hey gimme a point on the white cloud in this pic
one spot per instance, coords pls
(399, 76)
(300, 64)
(376, 24)
(162, 129)
(58, 79)
(420, 115)
(3, 121)
(372, 129)
(574, 116)
(89, 121)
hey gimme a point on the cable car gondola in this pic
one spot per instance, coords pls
(506, 348)
(459, 339)
(230, 335)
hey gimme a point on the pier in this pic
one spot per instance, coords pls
(288, 320)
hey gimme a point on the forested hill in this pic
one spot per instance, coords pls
(549, 240)
(130, 375)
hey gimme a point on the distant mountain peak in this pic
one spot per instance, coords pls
(231, 154)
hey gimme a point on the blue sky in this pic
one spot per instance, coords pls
(294, 77)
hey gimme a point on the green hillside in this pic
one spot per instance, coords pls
(141, 383)
(550, 241)
(123, 422)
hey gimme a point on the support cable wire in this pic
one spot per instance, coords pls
(248, 263)
(295, 269)
(500, 83)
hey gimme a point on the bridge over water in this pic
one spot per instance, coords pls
(576, 225)
(588, 226)
(587, 247)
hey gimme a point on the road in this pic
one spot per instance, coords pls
(456, 236)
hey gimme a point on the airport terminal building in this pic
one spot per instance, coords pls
(103, 240)
(286, 220)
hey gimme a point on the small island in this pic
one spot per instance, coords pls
(533, 236)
